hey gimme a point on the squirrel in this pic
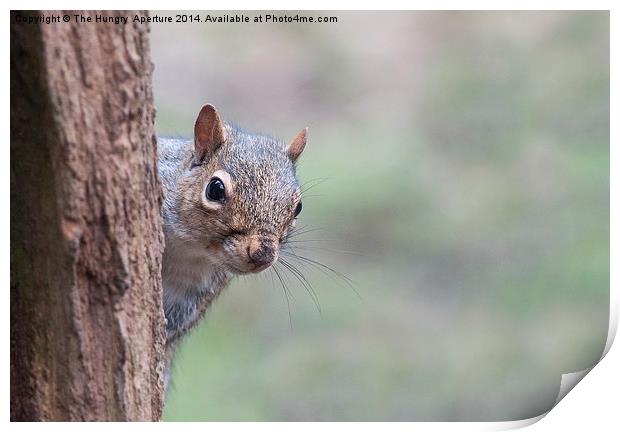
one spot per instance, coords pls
(231, 199)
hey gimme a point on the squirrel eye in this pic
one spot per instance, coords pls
(298, 209)
(215, 190)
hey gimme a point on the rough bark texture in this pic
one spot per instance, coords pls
(87, 332)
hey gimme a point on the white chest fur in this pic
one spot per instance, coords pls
(188, 278)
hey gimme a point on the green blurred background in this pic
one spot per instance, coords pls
(467, 198)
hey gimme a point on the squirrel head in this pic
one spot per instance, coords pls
(240, 197)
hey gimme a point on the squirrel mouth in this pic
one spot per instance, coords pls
(250, 269)
(260, 268)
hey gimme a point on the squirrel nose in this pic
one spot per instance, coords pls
(262, 253)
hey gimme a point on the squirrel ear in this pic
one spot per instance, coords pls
(296, 146)
(209, 132)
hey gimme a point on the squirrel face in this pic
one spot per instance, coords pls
(242, 194)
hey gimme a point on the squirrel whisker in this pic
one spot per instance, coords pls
(340, 251)
(286, 295)
(304, 282)
(323, 268)
(317, 181)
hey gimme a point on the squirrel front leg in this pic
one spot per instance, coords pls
(180, 328)
(168, 355)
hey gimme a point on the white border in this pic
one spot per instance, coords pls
(592, 405)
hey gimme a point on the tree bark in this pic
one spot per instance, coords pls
(87, 328)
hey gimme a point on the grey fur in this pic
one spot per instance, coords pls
(266, 191)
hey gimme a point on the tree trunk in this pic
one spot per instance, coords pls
(87, 332)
